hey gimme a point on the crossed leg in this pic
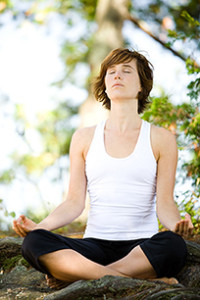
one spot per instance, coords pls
(69, 266)
(135, 265)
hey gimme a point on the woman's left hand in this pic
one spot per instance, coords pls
(184, 227)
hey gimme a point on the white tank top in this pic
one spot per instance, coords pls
(121, 190)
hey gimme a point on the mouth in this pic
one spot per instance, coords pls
(117, 84)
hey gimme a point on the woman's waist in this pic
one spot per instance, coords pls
(116, 225)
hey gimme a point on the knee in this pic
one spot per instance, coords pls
(167, 253)
(174, 252)
(30, 242)
(175, 245)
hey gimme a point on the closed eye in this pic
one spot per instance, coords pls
(111, 72)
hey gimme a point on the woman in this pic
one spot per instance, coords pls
(128, 167)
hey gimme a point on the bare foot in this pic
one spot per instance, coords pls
(54, 283)
(167, 280)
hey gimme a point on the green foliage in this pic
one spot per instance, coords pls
(5, 211)
(36, 217)
(75, 55)
(194, 85)
(184, 121)
(7, 176)
(192, 31)
(178, 18)
(55, 128)
(87, 8)
(5, 5)
(161, 112)
(191, 21)
(190, 205)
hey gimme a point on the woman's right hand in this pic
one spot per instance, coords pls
(23, 225)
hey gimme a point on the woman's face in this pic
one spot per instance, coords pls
(122, 81)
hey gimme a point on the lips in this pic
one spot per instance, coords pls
(117, 84)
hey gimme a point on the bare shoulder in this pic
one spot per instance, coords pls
(162, 134)
(163, 141)
(82, 139)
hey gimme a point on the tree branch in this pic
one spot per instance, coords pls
(138, 23)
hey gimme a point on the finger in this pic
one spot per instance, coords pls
(176, 228)
(180, 227)
(188, 217)
(23, 218)
(17, 230)
(191, 231)
(183, 228)
(191, 226)
(14, 226)
(20, 219)
(20, 229)
(186, 227)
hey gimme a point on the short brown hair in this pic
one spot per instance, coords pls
(145, 72)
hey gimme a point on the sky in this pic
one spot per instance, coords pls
(29, 63)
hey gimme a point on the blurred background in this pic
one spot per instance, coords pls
(49, 52)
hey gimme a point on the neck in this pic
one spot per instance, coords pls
(124, 116)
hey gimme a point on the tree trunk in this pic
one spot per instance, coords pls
(110, 18)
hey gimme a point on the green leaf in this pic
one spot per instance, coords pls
(190, 19)
(12, 214)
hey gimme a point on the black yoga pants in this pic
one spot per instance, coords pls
(166, 251)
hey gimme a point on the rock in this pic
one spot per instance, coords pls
(111, 287)
(20, 276)
(10, 252)
(190, 274)
(19, 281)
(22, 283)
(193, 252)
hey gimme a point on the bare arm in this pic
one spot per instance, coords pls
(74, 204)
(167, 210)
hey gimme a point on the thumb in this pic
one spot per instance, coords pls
(187, 217)
(23, 218)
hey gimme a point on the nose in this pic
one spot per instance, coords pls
(117, 75)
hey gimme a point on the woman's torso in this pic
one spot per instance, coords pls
(121, 185)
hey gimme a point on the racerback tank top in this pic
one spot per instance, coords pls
(121, 190)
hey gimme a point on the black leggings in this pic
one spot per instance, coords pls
(166, 251)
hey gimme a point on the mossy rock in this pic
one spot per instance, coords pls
(113, 288)
(9, 263)
(10, 253)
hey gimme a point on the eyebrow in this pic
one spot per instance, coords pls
(127, 66)
(124, 65)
